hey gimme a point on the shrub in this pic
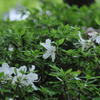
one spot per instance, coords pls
(52, 38)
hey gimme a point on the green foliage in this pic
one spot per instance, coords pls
(96, 98)
(74, 75)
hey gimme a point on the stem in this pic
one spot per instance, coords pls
(66, 94)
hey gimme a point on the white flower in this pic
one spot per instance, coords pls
(97, 39)
(10, 48)
(92, 34)
(84, 43)
(32, 77)
(90, 30)
(48, 13)
(32, 68)
(19, 75)
(24, 78)
(10, 99)
(23, 69)
(6, 69)
(50, 50)
(14, 80)
(21, 78)
(94, 37)
(16, 15)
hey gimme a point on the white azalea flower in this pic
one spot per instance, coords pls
(32, 68)
(14, 80)
(84, 43)
(90, 30)
(10, 99)
(92, 34)
(21, 71)
(32, 77)
(21, 78)
(48, 13)
(16, 15)
(6, 69)
(97, 39)
(10, 48)
(24, 78)
(19, 74)
(22, 68)
(50, 50)
(29, 79)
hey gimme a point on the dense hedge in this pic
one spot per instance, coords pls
(74, 73)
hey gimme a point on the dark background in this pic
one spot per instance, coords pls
(79, 3)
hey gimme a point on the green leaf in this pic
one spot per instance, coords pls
(97, 98)
(60, 42)
(97, 20)
(1, 74)
(68, 71)
(47, 91)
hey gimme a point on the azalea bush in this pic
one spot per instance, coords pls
(50, 53)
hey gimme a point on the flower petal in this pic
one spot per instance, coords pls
(31, 77)
(53, 56)
(46, 55)
(48, 41)
(5, 65)
(46, 45)
(23, 68)
(98, 39)
(32, 68)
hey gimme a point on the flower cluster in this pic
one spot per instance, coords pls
(94, 37)
(19, 75)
